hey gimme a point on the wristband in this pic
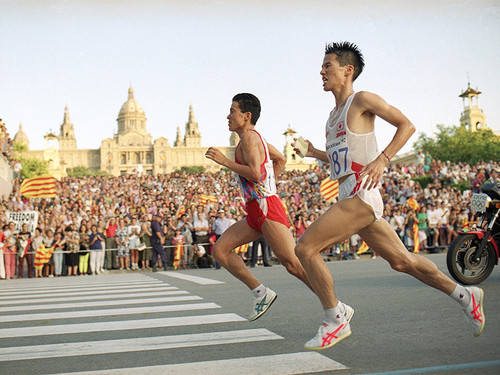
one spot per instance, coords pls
(388, 158)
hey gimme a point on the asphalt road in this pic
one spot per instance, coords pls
(153, 323)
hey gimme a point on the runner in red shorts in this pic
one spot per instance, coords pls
(256, 163)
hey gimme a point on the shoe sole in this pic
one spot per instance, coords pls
(346, 335)
(263, 311)
(481, 304)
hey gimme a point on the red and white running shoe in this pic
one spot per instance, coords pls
(474, 311)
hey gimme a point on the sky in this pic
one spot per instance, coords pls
(419, 57)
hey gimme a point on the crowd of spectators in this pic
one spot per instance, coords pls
(104, 223)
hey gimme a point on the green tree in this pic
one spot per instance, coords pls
(457, 144)
(33, 167)
(84, 172)
(195, 169)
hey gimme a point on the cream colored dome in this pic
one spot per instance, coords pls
(21, 137)
(131, 108)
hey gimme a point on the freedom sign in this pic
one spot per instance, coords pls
(19, 218)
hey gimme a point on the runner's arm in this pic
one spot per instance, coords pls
(251, 148)
(279, 161)
(374, 104)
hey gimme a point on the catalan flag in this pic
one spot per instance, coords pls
(241, 249)
(207, 199)
(43, 255)
(329, 189)
(413, 204)
(39, 187)
(416, 239)
(177, 255)
(363, 248)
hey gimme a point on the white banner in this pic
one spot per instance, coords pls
(28, 217)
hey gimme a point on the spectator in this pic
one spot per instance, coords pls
(95, 247)
(145, 253)
(59, 245)
(24, 238)
(186, 228)
(84, 254)
(72, 250)
(111, 258)
(121, 239)
(134, 231)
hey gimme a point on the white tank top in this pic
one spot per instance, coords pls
(266, 185)
(347, 152)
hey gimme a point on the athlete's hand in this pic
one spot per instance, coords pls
(215, 155)
(310, 148)
(373, 172)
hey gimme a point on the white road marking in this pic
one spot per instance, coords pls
(194, 279)
(71, 291)
(135, 345)
(106, 291)
(104, 312)
(108, 302)
(119, 326)
(280, 364)
(70, 286)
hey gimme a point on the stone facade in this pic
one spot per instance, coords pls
(131, 148)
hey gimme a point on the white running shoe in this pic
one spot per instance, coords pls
(261, 304)
(348, 312)
(474, 311)
(328, 335)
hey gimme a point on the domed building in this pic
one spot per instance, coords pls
(21, 137)
(130, 150)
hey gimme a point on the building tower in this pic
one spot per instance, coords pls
(178, 139)
(21, 138)
(67, 140)
(192, 138)
(472, 117)
(288, 149)
(131, 117)
(234, 139)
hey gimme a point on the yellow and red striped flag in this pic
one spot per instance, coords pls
(241, 249)
(43, 255)
(39, 187)
(413, 204)
(363, 248)
(177, 255)
(206, 199)
(416, 239)
(329, 189)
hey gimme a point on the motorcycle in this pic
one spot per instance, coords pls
(473, 254)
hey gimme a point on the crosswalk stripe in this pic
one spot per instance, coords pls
(78, 283)
(9, 291)
(136, 344)
(194, 279)
(119, 326)
(170, 290)
(280, 364)
(118, 302)
(13, 295)
(104, 312)
(81, 293)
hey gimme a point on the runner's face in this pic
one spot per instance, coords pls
(236, 118)
(331, 72)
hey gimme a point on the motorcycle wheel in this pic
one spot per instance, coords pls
(461, 265)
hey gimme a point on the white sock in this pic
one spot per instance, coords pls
(461, 295)
(259, 291)
(335, 315)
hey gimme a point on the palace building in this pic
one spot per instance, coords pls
(131, 148)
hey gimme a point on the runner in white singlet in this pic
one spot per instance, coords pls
(352, 152)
